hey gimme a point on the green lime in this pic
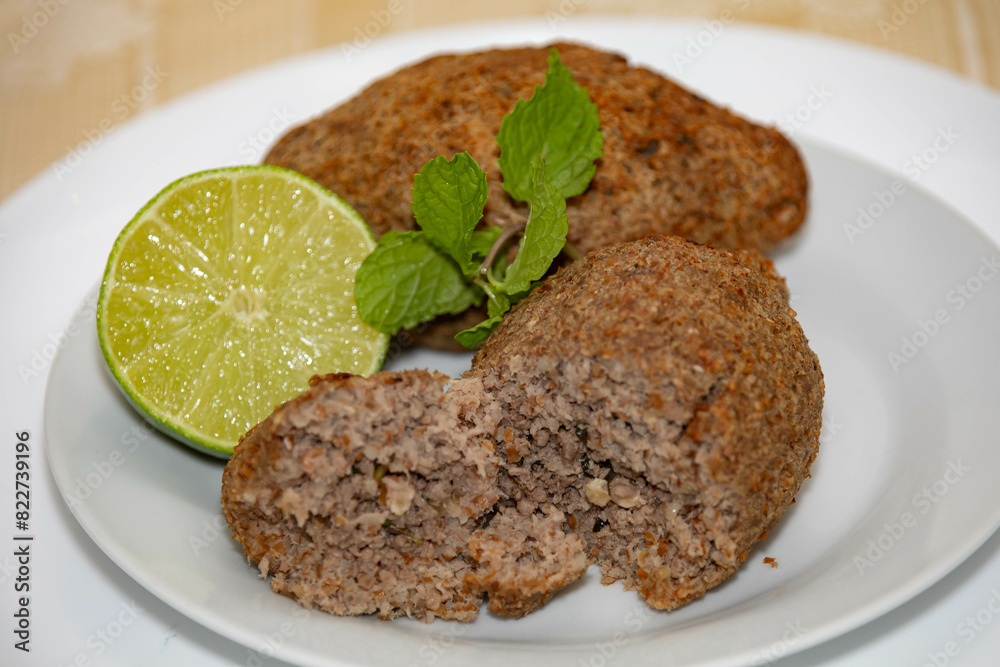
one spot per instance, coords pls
(226, 293)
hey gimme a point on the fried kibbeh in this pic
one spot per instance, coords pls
(673, 163)
(663, 396)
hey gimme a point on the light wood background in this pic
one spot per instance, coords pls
(70, 68)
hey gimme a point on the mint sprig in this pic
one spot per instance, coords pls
(448, 201)
(495, 310)
(483, 240)
(548, 147)
(544, 233)
(559, 123)
(407, 280)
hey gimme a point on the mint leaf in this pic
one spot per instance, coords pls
(483, 240)
(406, 280)
(448, 201)
(559, 123)
(548, 148)
(544, 235)
(473, 338)
(496, 307)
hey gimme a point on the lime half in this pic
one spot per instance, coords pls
(226, 293)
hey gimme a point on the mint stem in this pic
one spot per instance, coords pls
(498, 245)
(489, 292)
(571, 251)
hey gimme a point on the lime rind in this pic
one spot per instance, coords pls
(325, 201)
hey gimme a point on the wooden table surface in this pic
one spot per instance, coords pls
(71, 70)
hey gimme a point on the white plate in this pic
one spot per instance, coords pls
(153, 505)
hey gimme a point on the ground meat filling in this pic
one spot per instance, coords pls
(659, 538)
(360, 496)
(380, 495)
(522, 561)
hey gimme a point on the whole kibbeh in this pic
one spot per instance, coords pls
(673, 162)
(663, 396)
(653, 408)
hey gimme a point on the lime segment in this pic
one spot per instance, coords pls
(226, 293)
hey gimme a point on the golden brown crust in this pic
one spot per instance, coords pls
(673, 162)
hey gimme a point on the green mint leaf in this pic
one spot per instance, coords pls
(473, 338)
(559, 123)
(448, 201)
(544, 235)
(496, 307)
(406, 280)
(483, 240)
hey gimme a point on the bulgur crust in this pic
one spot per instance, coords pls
(673, 162)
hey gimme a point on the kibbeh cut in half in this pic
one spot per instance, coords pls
(663, 396)
(673, 162)
(653, 408)
(379, 496)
